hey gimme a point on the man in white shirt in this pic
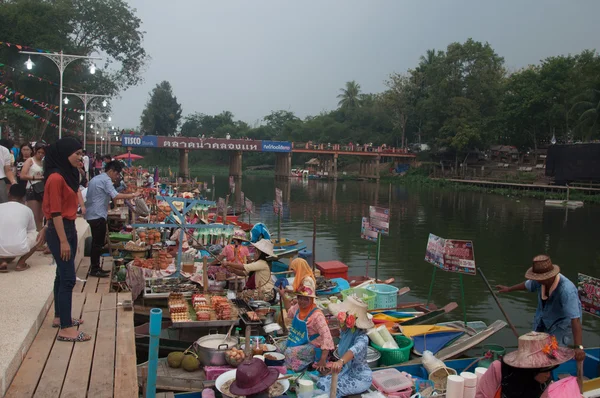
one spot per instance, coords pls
(86, 165)
(7, 175)
(18, 235)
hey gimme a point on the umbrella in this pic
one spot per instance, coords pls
(127, 156)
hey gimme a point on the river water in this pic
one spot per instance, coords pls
(507, 232)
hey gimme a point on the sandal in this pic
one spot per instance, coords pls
(74, 322)
(81, 337)
(22, 268)
(4, 267)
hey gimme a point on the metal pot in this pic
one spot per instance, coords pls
(373, 357)
(211, 349)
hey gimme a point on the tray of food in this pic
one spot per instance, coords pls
(162, 287)
(202, 310)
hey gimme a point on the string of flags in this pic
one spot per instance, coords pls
(46, 106)
(27, 48)
(30, 75)
(36, 116)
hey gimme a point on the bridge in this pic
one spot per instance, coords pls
(371, 156)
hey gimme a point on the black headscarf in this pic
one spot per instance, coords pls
(57, 161)
(520, 383)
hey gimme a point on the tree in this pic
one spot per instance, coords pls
(589, 119)
(162, 113)
(400, 100)
(350, 96)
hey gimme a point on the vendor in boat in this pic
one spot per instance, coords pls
(355, 376)
(525, 373)
(303, 276)
(253, 379)
(309, 340)
(233, 253)
(559, 308)
(259, 285)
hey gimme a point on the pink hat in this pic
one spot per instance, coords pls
(253, 376)
(537, 351)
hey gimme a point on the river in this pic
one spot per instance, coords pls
(507, 232)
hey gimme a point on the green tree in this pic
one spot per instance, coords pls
(162, 113)
(589, 110)
(350, 96)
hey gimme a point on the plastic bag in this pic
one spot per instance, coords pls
(373, 394)
(564, 388)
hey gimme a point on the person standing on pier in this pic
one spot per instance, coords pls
(559, 308)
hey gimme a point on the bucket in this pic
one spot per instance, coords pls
(491, 353)
(439, 377)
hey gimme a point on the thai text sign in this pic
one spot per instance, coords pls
(221, 144)
(367, 232)
(379, 219)
(147, 141)
(589, 293)
(451, 255)
(276, 146)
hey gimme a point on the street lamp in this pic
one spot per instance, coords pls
(104, 103)
(81, 118)
(61, 61)
(66, 100)
(86, 99)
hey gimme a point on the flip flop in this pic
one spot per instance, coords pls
(81, 337)
(25, 267)
(74, 322)
(4, 268)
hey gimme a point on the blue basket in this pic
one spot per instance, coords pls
(387, 295)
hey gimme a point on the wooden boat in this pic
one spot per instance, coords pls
(571, 204)
(285, 243)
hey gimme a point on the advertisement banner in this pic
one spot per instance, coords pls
(379, 219)
(220, 206)
(137, 141)
(242, 197)
(249, 205)
(367, 232)
(279, 197)
(452, 255)
(277, 208)
(276, 146)
(221, 144)
(589, 294)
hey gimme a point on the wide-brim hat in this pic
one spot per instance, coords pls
(357, 307)
(239, 234)
(196, 190)
(265, 246)
(307, 289)
(538, 351)
(253, 376)
(542, 269)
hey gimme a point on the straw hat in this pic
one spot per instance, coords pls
(537, 351)
(354, 306)
(265, 246)
(196, 191)
(307, 289)
(253, 376)
(239, 234)
(542, 269)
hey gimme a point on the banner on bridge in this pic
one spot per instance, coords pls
(220, 144)
(136, 141)
(276, 146)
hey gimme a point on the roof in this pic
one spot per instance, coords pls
(313, 162)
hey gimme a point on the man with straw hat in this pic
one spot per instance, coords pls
(259, 285)
(559, 308)
(355, 376)
(525, 373)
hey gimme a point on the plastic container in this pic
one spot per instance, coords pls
(395, 356)
(365, 295)
(391, 380)
(333, 269)
(470, 386)
(306, 255)
(456, 385)
(387, 295)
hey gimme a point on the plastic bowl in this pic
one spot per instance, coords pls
(278, 361)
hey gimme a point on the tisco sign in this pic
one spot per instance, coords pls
(139, 141)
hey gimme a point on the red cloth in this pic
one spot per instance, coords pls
(59, 198)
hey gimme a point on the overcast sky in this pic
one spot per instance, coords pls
(254, 56)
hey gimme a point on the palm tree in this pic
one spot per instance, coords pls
(589, 120)
(350, 97)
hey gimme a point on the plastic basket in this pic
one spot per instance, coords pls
(365, 295)
(387, 295)
(395, 356)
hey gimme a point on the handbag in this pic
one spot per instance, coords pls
(38, 188)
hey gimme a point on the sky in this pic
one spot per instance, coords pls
(252, 57)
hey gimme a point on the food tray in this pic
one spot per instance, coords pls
(170, 285)
(243, 308)
(194, 323)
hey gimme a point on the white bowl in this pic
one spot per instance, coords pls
(225, 377)
(270, 347)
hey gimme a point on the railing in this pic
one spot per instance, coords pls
(346, 148)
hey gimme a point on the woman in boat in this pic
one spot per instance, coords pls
(303, 276)
(309, 340)
(355, 376)
(233, 253)
(259, 285)
(525, 373)
(253, 379)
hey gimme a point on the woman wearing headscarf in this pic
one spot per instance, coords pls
(525, 373)
(355, 376)
(60, 208)
(309, 340)
(303, 276)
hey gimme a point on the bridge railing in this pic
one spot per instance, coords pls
(347, 148)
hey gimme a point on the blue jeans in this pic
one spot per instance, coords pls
(65, 272)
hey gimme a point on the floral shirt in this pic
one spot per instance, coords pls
(316, 324)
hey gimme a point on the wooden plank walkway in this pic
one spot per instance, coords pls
(102, 367)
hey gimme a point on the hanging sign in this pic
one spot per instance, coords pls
(277, 208)
(379, 219)
(452, 255)
(242, 197)
(231, 183)
(589, 294)
(249, 205)
(233, 188)
(279, 197)
(367, 232)
(220, 205)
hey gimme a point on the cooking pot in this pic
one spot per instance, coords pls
(373, 357)
(211, 349)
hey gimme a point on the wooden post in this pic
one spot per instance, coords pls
(247, 348)
(333, 390)
(314, 242)
(205, 275)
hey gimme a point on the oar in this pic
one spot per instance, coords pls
(333, 390)
(480, 271)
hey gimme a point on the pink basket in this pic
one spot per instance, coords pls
(392, 381)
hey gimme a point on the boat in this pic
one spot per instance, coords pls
(285, 243)
(572, 204)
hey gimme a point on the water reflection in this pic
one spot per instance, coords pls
(507, 232)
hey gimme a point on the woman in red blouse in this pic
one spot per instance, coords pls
(60, 209)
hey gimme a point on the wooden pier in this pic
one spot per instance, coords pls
(529, 187)
(102, 367)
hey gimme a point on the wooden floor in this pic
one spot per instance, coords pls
(102, 367)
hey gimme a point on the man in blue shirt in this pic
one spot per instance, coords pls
(99, 193)
(559, 308)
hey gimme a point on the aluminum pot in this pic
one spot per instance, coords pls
(211, 349)
(373, 357)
